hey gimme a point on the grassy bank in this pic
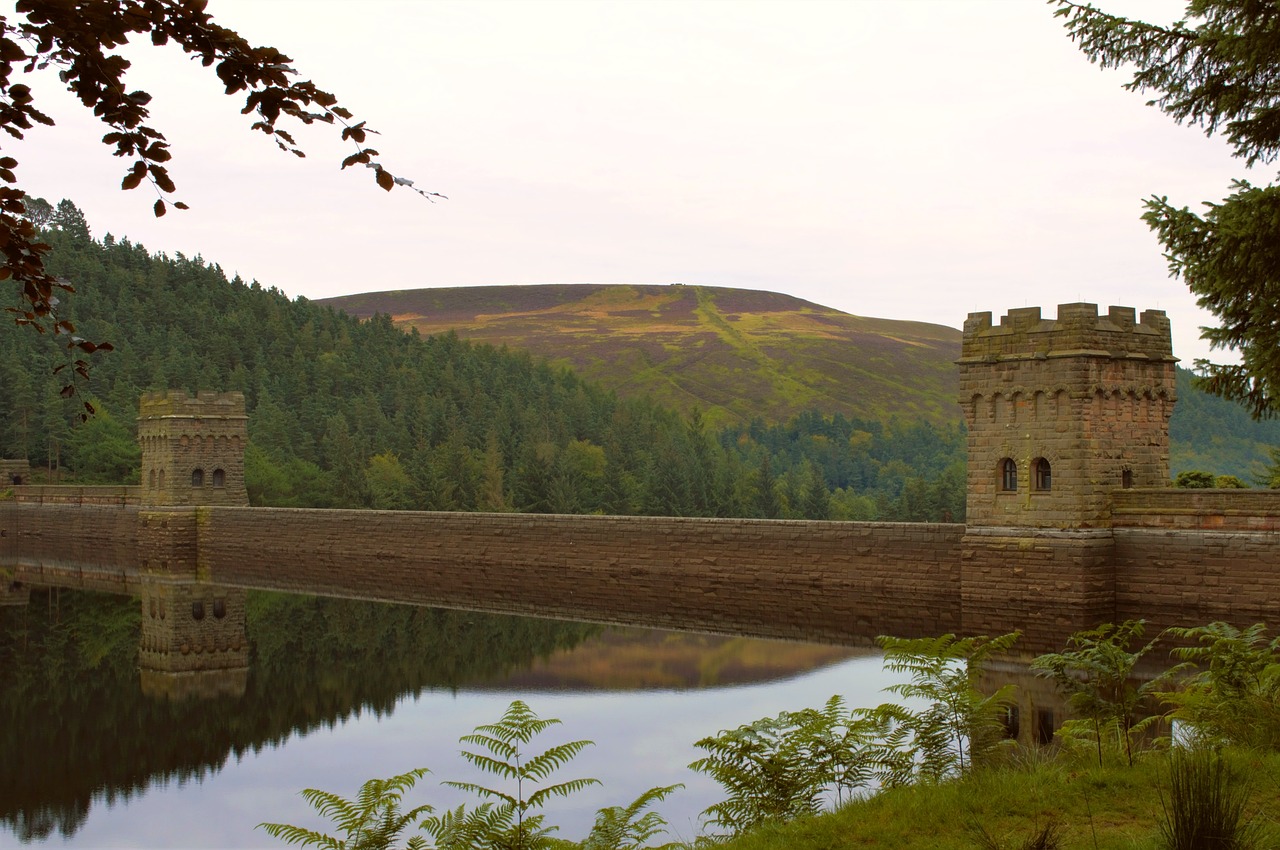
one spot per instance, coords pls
(1113, 808)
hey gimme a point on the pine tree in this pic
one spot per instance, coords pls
(1219, 70)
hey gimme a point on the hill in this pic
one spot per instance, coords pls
(352, 413)
(736, 354)
(741, 355)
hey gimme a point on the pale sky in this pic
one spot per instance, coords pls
(909, 160)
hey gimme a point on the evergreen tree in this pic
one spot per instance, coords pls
(817, 498)
(1219, 69)
(768, 504)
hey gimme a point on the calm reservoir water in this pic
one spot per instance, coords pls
(96, 753)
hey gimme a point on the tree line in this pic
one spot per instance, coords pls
(347, 413)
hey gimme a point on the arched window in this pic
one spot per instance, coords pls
(151, 480)
(219, 478)
(1044, 475)
(161, 479)
(1008, 475)
(197, 609)
(197, 478)
(1126, 479)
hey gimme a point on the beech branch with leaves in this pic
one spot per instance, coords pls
(80, 39)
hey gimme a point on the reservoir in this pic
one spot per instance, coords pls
(96, 752)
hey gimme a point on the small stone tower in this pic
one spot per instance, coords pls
(1062, 412)
(192, 448)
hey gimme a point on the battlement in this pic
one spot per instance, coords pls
(206, 405)
(1078, 331)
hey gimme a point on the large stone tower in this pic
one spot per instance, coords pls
(192, 448)
(1062, 412)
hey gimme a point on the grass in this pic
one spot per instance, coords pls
(1111, 808)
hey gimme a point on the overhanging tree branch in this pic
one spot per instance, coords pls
(79, 37)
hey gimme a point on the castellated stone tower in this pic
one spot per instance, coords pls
(1062, 412)
(192, 448)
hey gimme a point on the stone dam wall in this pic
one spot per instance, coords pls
(832, 581)
(840, 582)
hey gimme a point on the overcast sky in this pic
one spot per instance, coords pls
(910, 160)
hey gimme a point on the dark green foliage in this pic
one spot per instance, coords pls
(1233, 695)
(101, 450)
(895, 470)
(1096, 672)
(1205, 806)
(1211, 433)
(1194, 479)
(1270, 477)
(1048, 836)
(631, 827)
(764, 766)
(374, 820)
(960, 726)
(507, 820)
(1218, 69)
(503, 751)
(780, 768)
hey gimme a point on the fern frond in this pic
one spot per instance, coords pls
(498, 745)
(290, 834)
(373, 820)
(489, 764)
(482, 791)
(543, 764)
(561, 789)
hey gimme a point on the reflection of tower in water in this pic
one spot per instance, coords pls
(193, 640)
(1038, 708)
(13, 593)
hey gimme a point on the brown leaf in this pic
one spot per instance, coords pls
(385, 179)
(160, 210)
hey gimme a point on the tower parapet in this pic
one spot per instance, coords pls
(193, 448)
(1062, 411)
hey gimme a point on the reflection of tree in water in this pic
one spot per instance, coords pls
(74, 721)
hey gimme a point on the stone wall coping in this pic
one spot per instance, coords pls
(1024, 532)
(88, 494)
(1185, 500)
(478, 517)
